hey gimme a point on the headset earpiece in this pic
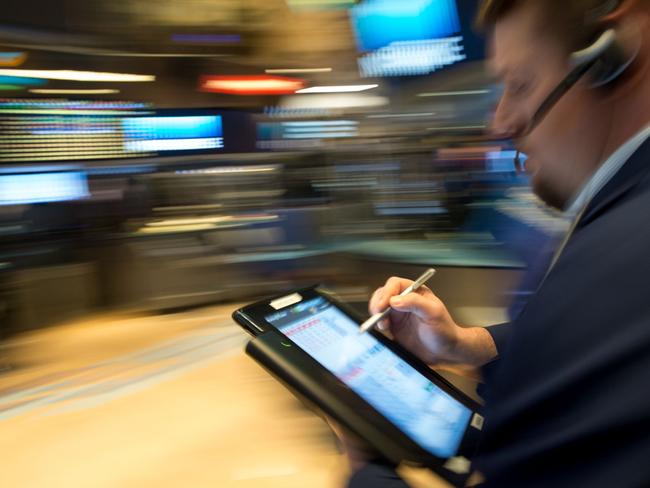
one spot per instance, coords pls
(610, 66)
(607, 57)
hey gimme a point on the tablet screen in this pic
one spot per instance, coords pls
(421, 409)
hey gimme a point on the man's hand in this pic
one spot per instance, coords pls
(421, 323)
(358, 452)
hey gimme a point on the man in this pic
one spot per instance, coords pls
(568, 396)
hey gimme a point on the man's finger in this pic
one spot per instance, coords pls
(395, 285)
(423, 307)
(378, 301)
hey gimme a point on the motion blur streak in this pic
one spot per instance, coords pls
(158, 170)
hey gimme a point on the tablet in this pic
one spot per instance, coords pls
(400, 394)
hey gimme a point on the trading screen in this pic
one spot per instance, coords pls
(49, 130)
(426, 413)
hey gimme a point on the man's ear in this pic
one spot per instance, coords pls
(611, 12)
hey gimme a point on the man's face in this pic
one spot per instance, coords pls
(566, 147)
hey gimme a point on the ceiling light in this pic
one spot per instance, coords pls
(72, 75)
(337, 89)
(321, 123)
(454, 93)
(321, 135)
(400, 116)
(319, 4)
(56, 91)
(297, 70)
(91, 51)
(311, 130)
(333, 101)
(233, 169)
(460, 127)
(206, 38)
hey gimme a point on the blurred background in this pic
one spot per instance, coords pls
(164, 161)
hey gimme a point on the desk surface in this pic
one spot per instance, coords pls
(448, 252)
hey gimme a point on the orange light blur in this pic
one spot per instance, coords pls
(12, 60)
(250, 85)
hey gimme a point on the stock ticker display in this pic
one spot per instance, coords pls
(55, 130)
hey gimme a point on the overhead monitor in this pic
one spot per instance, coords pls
(173, 133)
(38, 130)
(412, 37)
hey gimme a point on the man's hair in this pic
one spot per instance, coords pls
(572, 22)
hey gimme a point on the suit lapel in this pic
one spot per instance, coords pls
(630, 175)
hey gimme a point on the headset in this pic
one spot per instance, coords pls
(604, 61)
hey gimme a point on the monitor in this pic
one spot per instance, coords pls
(21, 186)
(413, 37)
(173, 133)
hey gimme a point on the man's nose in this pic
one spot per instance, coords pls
(505, 123)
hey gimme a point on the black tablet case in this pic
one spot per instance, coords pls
(306, 379)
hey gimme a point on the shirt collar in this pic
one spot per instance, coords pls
(606, 172)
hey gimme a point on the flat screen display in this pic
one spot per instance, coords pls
(34, 187)
(173, 133)
(413, 37)
(427, 414)
(379, 23)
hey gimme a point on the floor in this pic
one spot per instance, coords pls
(156, 401)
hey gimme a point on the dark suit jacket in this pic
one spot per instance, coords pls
(568, 400)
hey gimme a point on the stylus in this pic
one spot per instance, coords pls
(368, 324)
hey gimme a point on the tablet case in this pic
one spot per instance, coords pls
(304, 378)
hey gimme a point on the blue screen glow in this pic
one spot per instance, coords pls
(379, 23)
(22, 189)
(180, 133)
